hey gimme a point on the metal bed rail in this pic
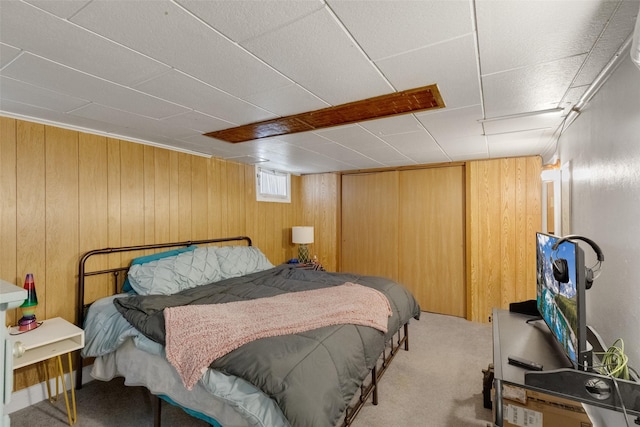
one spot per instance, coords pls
(376, 375)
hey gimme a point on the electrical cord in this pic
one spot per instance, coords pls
(614, 361)
(624, 408)
(614, 365)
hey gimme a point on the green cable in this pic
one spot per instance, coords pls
(614, 361)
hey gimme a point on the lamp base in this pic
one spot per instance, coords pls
(303, 254)
(27, 323)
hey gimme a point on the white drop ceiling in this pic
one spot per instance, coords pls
(165, 72)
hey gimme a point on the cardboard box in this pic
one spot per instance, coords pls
(528, 408)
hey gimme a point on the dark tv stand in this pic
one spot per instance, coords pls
(519, 335)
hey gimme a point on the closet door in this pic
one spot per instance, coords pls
(370, 224)
(431, 238)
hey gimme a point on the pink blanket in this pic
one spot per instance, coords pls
(196, 335)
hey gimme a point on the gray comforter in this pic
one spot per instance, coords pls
(313, 375)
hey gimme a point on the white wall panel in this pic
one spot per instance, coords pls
(602, 151)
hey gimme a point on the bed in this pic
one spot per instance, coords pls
(213, 327)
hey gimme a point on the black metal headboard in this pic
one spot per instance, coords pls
(83, 274)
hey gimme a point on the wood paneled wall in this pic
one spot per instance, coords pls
(370, 229)
(320, 196)
(432, 235)
(503, 215)
(66, 192)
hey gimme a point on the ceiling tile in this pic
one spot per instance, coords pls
(519, 143)
(353, 136)
(43, 34)
(7, 54)
(452, 123)
(61, 8)
(386, 155)
(148, 126)
(388, 28)
(166, 32)
(43, 73)
(162, 72)
(466, 148)
(412, 143)
(456, 77)
(184, 90)
(514, 34)
(426, 157)
(25, 93)
(56, 118)
(287, 100)
(242, 20)
(303, 139)
(393, 125)
(339, 152)
(528, 89)
(196, 121)
(316, 53)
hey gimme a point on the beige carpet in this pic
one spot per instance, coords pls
(437, 383)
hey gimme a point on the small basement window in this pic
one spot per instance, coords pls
(273, 186)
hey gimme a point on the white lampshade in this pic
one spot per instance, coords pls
(302, 235)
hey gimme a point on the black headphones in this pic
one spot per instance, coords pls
(560, 269)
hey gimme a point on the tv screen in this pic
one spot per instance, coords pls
(562, 305)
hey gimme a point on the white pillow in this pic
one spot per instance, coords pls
(173, 274)
(240, 260)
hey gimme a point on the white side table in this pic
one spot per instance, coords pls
(11, 296)
(54, 338)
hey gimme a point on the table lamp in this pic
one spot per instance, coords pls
(28, 320)
(302, 235)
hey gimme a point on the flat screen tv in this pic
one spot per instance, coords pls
(562, 305)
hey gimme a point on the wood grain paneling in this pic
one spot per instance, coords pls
(132, 216)
(370, 224)
(184, 196)
(114, 203)
(61, 237)
(431, 253)
(162, 197)
(31, 208)
(31, 220)
(320, 196)
(93, 205)
(149, 182)
(503, 214)
(199, 198)
(8, 207)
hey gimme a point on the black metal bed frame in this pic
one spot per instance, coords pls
(376, 374)
(358, 402)
(83, 274)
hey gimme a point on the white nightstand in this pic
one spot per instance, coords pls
(54, 338)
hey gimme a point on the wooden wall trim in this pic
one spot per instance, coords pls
(402, 168)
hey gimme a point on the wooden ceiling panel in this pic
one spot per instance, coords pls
(408, 101)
